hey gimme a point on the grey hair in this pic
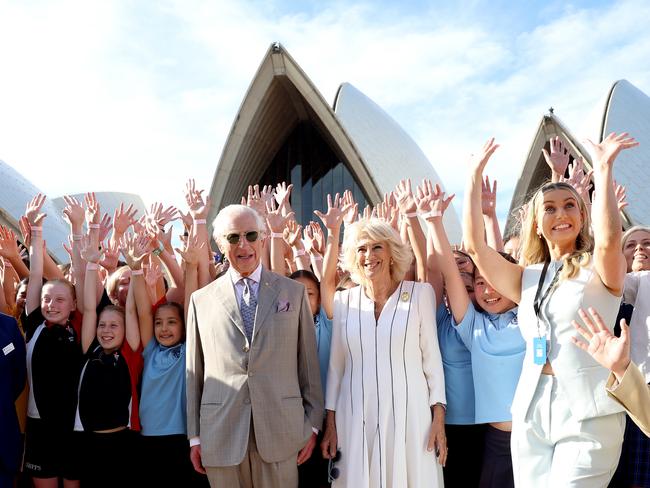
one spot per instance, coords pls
(220, 222)
(631, 230)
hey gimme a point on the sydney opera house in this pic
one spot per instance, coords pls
(286, 131)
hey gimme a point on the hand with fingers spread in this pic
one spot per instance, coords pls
(608, 350)
(351, 215)
(104, 227)
(267, 195)
(92, 209)
(152, 274)
(558, 159)
(198, 207)
(319, 237)
(579, 179)
(275, 220)
(621, 196)
(308, 239)
(433, 202)
(282, 195)
(8, 243)
(255, 201)
(123, 219)
(335, 211)
(404, 198)
(90, 250)
(292, 232)
(606, 151)
(73, 213)
(135, 249)
(489, 197)
(110, 257)
(33, 211)
(192, 252)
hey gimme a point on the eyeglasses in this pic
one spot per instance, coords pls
(332, 471)
(251, 236)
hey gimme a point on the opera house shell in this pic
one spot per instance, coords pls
(286, 131)
(625, 109)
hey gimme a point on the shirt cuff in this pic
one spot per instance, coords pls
(315, 430)
(195, 441)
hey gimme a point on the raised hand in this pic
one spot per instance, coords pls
(274, 218)
(621, 197)
(558, 159)
(606, 151)
(434, 201)
(33, 211)
(73, 212)
(193, 251)
(282, 194)
(610, 351)
(319, 237)
(480, 160)
(25, 230)
(8, 243)
(90, 250)
(404, 197)
(255, 201)
(104, 227)
(335, 211)
(292, 232)
(579, 179)
(110, 257)
(267, 194)
(123, 218)
(152, 274)
(353, 208)
(198, 207)
(135, 248)
(92, 209)
(489, 197)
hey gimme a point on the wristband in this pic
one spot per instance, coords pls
(92, 266)
(36, 228)
(317, 258)
(298, 252)
(433, 213)
(410, 215)
(94, 226)
(7, 263)
(158, 251)
(77, 237)
(137, 272)
(277, 235)
(199, 221)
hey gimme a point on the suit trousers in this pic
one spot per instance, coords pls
(551, 448)
(254, 472)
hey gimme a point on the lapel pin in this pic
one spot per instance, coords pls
(405, 296)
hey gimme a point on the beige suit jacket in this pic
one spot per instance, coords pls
(633, 393)
(275, 379)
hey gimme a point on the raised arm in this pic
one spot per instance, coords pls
(192, 254)
(122, 220)
(10, 252)
(409, 212)
(313, 239)
(199, 210)
(332, 221)
(557, 159)
(35, 220)
(505, 276)
(489, 209)
(276, 222)
(291, 235)
(132, 331)
(457, 295)
(609, 261)
(134, 250)
(90, 253)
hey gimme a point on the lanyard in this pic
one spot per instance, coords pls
(539, 299)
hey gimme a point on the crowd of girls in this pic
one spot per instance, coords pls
(93, 363)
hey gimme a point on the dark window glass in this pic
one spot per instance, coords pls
(307, 161)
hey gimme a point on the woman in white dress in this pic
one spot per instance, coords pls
(385, 388)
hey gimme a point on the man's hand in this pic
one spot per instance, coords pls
(195, 457)
(305, 452)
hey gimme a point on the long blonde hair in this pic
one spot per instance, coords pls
(533, 246)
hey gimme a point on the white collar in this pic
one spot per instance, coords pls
(256, 275)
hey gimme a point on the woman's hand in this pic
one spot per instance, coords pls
(33, 211)
(610, 351)
(437, 437)
(478, 162)
(329, 444)
(558, 159)
(606, 151)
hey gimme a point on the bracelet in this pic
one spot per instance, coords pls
(298, 252)
(77, 237)
(94, 226)
(277, 235)
(317, 258)
(137, 272)
(199, 221)
(92, 266)
(410, 215)
(158, 251)
(433, 213)
(7, 263)
(36, 228)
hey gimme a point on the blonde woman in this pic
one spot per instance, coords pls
(565, 430)
(385, 387)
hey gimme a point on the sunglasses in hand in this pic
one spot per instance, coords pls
(332, 471)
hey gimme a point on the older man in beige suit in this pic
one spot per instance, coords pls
(254, 398)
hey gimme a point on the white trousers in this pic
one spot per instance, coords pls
(552, 449)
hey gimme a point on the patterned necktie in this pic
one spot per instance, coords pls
(247, 308)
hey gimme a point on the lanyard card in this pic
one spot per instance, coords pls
(539, 350)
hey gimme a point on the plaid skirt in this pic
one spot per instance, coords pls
(634, 465)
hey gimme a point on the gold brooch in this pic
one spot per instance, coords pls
(405, 296)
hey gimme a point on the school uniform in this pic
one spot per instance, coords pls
(53, 361)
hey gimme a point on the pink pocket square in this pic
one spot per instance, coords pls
(283, 306)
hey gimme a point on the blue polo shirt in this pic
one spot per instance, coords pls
(323, 343)
(497, 350)
(457, 365)
(162, 401)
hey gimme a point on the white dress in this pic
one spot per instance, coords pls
(383, 377)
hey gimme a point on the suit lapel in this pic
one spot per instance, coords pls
(226, 293)
(266, 298)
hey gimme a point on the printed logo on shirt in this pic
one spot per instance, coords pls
(8, 348)
(33, 467)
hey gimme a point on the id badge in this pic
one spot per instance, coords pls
(539, 350)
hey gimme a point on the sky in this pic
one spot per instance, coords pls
(137, 96)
